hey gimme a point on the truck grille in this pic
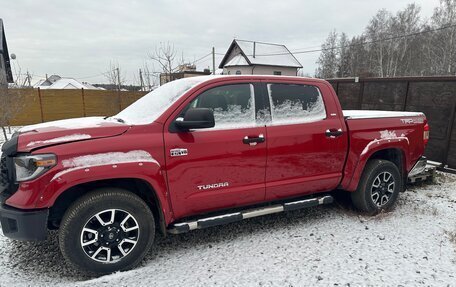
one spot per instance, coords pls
(3, 172)
(7, 185)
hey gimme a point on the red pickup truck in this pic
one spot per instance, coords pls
(195, 153)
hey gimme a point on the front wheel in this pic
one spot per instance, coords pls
(378, 188)
(106, 230)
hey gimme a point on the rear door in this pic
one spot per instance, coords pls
(306, 140)
(220, 167)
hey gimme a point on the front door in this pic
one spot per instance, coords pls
(219, 167)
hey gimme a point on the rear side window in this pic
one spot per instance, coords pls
(292, 103)
(233, 105)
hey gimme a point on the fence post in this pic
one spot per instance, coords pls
(83, 103)
(361, 95)
(41, 105)
(449, 133)
(120, 101)
(404, 104)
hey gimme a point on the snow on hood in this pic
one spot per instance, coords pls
(76, 123)
(69, 138)
(64, 131)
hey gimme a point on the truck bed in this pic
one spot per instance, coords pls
(372, 131)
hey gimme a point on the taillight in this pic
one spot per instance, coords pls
(426, 133)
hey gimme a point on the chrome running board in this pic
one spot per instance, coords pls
(201, 223)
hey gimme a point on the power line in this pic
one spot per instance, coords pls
(364, 43)
(196, 61)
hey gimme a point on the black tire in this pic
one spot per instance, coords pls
(371, 198)
(111, 204)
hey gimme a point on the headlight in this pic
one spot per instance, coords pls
(29, 167)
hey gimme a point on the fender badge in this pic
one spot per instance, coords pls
(179, 152)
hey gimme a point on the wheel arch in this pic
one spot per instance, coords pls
(140, 187)
(396, 155)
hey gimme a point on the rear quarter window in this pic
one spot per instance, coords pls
(292, 103)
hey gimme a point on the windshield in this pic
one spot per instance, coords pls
(148, 108)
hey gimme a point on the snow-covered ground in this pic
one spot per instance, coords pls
(327, 245)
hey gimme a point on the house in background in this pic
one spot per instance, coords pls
(257, 58)
(183, 71)
(57, 82)
(6, 76)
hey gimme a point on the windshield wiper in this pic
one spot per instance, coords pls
(117, 119)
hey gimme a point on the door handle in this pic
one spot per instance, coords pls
(253, 141)
(332, 133)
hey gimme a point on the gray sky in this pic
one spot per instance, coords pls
(79, 38)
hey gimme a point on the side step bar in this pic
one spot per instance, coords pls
(183, 227)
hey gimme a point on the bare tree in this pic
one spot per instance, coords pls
(11, 104)
(114, 75)
(165, 56)
(443, 49)
(150, 77)
(343, 69)
(328, 60)
(394, 45)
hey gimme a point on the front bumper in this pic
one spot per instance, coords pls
(419, 167)
(23, 224)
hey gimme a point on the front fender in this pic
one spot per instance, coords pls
(61, 181)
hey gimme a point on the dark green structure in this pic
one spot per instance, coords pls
(6, 76)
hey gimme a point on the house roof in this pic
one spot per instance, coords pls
(238, 60)
(259, 53)
(5, 54)
(57, 82)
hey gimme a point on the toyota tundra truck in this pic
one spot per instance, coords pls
(196, 153)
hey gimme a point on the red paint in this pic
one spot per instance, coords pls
(295, 159)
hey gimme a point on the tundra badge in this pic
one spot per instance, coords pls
(212, 186)
(179, 152)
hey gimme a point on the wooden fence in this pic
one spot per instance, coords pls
(49, 105)
(435, 96)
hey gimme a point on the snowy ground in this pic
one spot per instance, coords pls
(328, 245)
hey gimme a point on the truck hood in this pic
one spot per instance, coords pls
(64, 131)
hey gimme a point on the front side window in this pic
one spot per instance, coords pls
(233, 105)
(292, 103)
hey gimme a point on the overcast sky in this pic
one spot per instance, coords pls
(79, 38)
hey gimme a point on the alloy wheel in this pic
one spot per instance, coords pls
(382, 188)
(110, 235)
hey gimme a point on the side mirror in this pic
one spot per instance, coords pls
(197, 118)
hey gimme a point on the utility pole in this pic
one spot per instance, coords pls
(213, 60)
(29, 79)
(141, 79)
(118, 78)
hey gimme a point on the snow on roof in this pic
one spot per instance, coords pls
(56, 82)
(258, 53)
(238, 60)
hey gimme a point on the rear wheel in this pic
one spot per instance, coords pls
(378, 188)
(107, 230)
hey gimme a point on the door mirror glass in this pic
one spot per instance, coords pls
(196, 118)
